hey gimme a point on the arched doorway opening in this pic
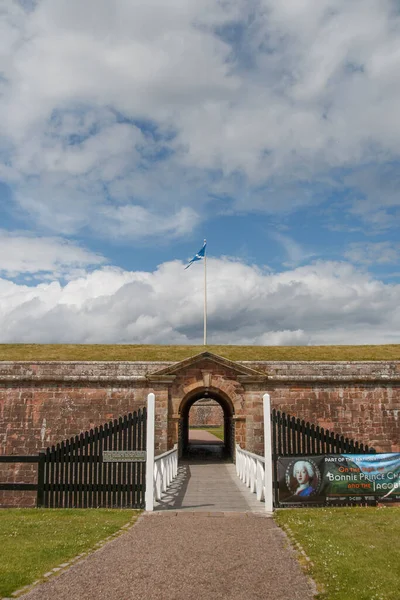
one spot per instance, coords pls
(227, 422)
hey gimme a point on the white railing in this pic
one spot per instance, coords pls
(250, 468)
(254, 470)
(160, 470)
(165, 470)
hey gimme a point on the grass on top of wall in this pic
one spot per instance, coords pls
(137, 352)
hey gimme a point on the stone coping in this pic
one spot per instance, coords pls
(126, 371)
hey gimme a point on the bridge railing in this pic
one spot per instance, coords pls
(250, 468)
(160, 470)
(165, 470)
(256, 471)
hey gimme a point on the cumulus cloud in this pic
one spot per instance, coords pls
(41, 257)
(322, 303)
(112, 104)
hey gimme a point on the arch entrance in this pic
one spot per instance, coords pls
(228, 445)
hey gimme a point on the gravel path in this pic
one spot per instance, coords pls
(187, 556)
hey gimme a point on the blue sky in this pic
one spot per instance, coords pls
(130, 132)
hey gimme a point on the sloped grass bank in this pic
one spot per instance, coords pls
(138, 352)
(354, 552)
(34, 541)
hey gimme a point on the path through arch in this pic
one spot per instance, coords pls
(196, 445)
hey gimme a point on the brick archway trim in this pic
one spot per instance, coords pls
(201, 392)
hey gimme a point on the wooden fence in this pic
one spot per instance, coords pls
(73, 474)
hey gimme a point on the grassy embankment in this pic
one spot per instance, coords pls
(354, 552)
(34, 541)
(89, 352)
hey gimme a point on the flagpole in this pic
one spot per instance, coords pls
(205, 297)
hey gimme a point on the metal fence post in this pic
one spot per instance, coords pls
(149, 497)
(269, 504)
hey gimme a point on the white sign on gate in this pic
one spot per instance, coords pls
(124, 456)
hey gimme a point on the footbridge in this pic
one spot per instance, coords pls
(206, 479)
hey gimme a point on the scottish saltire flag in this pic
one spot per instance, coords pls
(198, 256)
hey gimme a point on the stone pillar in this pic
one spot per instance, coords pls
(240, 431)
(173, 430)
(161, 419)
(254, 421)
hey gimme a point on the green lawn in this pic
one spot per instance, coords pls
(217, 431)
(33, 541)
(35, 352)
(355, 551)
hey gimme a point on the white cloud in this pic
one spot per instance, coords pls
(376, 195)
(41, 257)
(373, 253)
(137, 222)
(321, 303)
(101, 99)
(283, 338)
(295, 252)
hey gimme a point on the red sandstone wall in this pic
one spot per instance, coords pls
(369, 413)
(366, 412)
(206, 412)
(33, 417)
(44, 403)
(359, 400)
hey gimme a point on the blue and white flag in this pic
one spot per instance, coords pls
(199, 255)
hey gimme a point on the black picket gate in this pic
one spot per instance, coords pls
(72, 474)
(292, 436)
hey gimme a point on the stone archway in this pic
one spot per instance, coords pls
(228, 411)
(236, 387)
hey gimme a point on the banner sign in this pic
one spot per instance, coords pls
(339, 479)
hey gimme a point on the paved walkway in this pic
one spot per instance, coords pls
(200, 436)
(187, 556)
(205, 483)
(210, 486)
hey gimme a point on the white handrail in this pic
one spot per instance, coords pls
(250, 468)
(165, 470)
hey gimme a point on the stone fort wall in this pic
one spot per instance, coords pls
(44, 403)
(206, 413)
